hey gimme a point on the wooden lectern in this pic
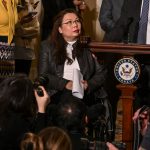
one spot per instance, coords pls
(127, 90)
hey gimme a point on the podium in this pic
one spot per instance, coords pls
(127, 90)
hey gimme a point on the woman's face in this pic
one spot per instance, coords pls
(70, 27)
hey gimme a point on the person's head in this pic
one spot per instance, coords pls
(16, 96)
(67, 26)
(31, 141)
(50, 138)
(70, 115)
(54, 138)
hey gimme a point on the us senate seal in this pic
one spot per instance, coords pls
(127, 70)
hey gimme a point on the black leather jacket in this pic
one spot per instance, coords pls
(92, 71)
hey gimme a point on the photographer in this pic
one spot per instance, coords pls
(21, 110)
(143, 115)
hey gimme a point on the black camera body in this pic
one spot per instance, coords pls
(40, 81)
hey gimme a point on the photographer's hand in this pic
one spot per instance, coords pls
(142, 114)
(43, 101)
(111, 146)
(136, 115)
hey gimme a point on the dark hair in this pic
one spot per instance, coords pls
(57, 40)
(70, 115)
(16, 96)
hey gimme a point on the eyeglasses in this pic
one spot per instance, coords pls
(70, 22)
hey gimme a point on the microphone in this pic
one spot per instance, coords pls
(126, 37)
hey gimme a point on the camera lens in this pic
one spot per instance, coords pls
(40, 81)
(39, 92)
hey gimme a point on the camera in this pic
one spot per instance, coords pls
(42, 80)
(99, 145)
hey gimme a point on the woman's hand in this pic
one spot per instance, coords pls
(85, 84)
(69, 85)
(42, 101)
(80, 4)
(77, 2)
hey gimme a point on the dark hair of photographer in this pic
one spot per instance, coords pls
(21, 110)
(70, 116)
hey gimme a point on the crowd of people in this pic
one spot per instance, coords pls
(46, 113)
